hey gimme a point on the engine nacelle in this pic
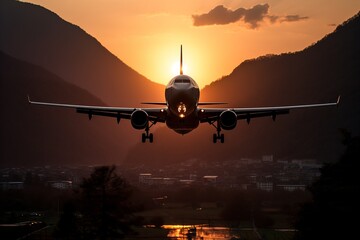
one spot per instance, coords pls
(139, 119)
(228, 120)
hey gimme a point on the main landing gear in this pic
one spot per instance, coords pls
(218, 135)
(147, 135)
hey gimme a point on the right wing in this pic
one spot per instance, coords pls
(154, 114)
(213, 114)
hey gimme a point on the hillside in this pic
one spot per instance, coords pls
(33, 135)
(39, 36)
(319, 73)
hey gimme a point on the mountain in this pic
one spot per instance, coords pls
(32, 135)
(39, 36)
(46, 51)
(318, 73)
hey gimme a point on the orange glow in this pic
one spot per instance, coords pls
(146, 35)
(175, 69)
(166, 63)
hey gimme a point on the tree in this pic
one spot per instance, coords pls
(106, 213)
(334, 211)
(67, 227)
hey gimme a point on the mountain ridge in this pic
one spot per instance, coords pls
(39, 36)
(353, 20)
(34, 135)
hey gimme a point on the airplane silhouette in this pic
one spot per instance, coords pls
(182, 111)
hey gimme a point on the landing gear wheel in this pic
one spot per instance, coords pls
(147, 135)
(143, 138)
(214, 138)
(217, 135)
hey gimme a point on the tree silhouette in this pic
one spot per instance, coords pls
(334, 211)
(67, 227)
(106, 213)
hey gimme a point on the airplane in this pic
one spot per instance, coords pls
(182, 111)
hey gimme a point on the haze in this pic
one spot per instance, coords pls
(146, 35)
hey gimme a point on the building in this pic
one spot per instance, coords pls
(268, 158)
(210, 179)
(60, 184)
(11, 185)
(265, 186)
(144, 178)
(291, 187)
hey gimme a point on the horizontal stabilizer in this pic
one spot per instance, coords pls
(200, 103)
(155, 103)
(211, 103)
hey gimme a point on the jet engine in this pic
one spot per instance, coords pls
(228, 120)
(139, 119)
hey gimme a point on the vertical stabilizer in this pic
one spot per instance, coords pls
(181, 65)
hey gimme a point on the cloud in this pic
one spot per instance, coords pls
(292, 18)
(273, 18)
(256, 14)
(221, 15)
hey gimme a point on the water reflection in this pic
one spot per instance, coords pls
(202, 232)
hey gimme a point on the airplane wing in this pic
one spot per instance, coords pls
(211, 115)
(154, 114)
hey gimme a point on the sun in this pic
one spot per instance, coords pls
(165, 63)
(175, 69)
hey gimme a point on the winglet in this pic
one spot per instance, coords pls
(338, 100)
(28, 97)
(181, 64)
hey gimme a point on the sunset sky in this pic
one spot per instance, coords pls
(216, 35)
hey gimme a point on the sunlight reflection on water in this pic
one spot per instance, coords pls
(200, 232)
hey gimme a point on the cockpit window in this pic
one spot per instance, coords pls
(182, 80)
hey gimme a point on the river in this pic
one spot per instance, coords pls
(202, 232)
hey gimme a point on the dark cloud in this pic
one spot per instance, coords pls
(221, 15)
(273, 18)
(293, 18)
(256, 14)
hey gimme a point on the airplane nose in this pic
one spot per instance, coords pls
(182, 86)
(181, 110)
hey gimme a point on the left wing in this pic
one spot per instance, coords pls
(154, 114)
(213, 114)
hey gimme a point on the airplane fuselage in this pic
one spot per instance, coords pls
(182, 96)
